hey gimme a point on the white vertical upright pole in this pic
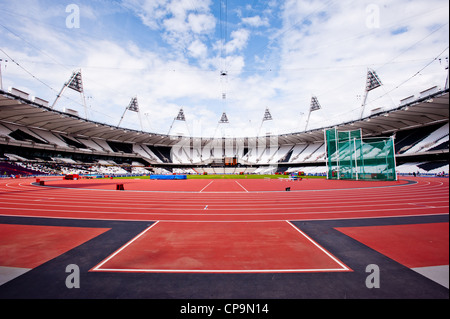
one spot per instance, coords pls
(337, 151)
(395, 160)
(1, 80)
(326, 150)
(122, 116)
(363, 106)
(356, 159)
(84, 104)
(307, 120)
(140, 121)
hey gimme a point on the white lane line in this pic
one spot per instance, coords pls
(241, 186)
(125, 246)
(206, 186)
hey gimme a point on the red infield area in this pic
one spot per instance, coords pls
(417, 245)
(228, 247)
(225, 226)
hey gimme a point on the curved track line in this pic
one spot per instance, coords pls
(423, 197)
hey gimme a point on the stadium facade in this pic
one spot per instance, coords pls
(33, 132)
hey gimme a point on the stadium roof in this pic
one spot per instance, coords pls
(429, 108)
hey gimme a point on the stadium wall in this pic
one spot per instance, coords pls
(423, 143)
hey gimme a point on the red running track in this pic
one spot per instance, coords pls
(223, 200)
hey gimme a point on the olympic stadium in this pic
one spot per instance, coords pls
(357, 209)
(34, 134)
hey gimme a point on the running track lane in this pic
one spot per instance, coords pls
(427, 196)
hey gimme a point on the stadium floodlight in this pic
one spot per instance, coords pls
(180, 117)
(134, 107)
(224, 118)
(372, 82)
(267, 115)
(221, 128)
(75, 83)
(314, 106)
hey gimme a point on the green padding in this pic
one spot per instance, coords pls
(349, 156)
(168, 177)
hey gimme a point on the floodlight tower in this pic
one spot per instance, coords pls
(220, 125)
(75, 83)
(314, 106)
(223, 78)
(266, 117)
(181, 118)
(134, 107)
(224, 118)
(372, 82)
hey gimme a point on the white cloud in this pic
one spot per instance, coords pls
(184, 24)
(150, 11)
(308, 47)
(197, 49)
(181, 21)
(326, 50)
(201, 23)
(239, 39)
(256, 21)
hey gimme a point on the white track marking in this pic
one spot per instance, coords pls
(206, 186)
(242, 186)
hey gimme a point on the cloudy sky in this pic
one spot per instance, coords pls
(233, 56)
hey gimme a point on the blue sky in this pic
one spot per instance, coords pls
(276, 54)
